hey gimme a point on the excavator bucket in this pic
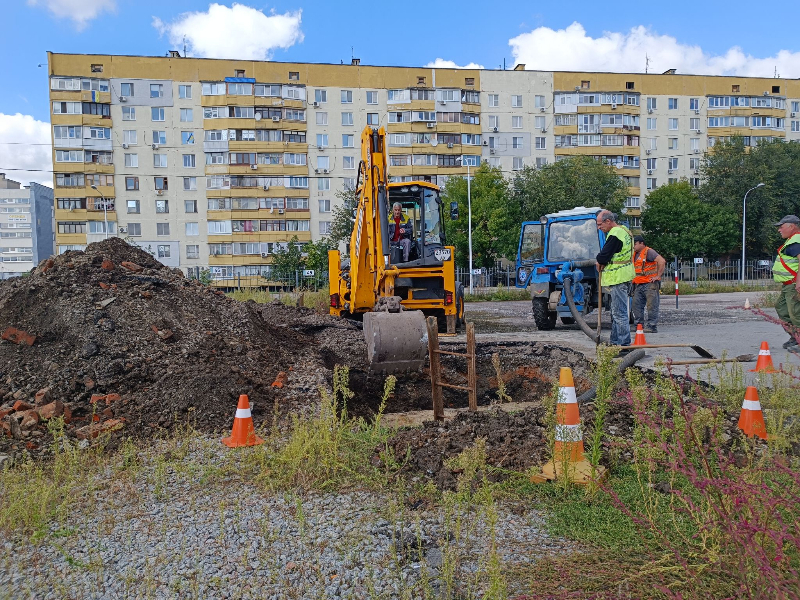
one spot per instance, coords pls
(396, 342)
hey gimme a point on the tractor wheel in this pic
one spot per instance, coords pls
(544, 318)
(568, 320)
(460, 320)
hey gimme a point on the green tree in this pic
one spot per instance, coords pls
(676, 222)
(286, 261)
(495, 220)
(577, 181)
(316, 255)
(343, 219)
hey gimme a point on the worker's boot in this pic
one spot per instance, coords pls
(790, 342)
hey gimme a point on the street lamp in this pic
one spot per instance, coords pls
(105, 208)
(744, 216)
(469, 219)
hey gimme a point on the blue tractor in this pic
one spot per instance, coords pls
(556, 260)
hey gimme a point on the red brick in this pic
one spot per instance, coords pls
(43, 396)
(67, 415)
(107, 265)
(281, 380)
(146, 294)
(113, 397)
(21, 405)
(17, 336)
(97, 398)
(92, 431)
(132, 267)
(108, 413)
(30, 419)
(54, 409)
(49, 263)
(104, 286)
(4, 412)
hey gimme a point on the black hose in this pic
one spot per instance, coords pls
(627, 362)
(576, 313)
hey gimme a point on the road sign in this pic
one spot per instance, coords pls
(308, 273)
(476, 271)
(698, 261)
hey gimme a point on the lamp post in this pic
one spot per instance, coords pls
(105, 208)
(744, 220)
(469, 219)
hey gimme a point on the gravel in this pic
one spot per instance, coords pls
(176, 528)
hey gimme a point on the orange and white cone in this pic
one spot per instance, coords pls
(569, 438)
(751, 419)
(639, 340)
(243, 434)
(764, 363)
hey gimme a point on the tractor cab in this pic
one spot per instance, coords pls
(421, 204)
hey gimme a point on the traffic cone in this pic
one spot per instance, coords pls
(569, 439)
(639, 339)
(243, 434)
(747, 302)
(764, 363)
(751, 419)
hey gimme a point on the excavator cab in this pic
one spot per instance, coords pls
(421, 203)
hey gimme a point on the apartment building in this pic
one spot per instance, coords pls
(26, 226)
(217, 163)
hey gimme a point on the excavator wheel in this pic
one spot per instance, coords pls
(396, 342)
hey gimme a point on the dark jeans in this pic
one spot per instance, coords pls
(646, 294)
(620, 328)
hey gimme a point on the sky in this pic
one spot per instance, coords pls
(731, 38)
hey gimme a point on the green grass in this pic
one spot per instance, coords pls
(498, 294)
(713, 287)
(317, 300)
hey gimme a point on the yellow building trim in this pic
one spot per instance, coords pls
(70, 239)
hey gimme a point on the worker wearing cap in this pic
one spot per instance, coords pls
(784, 271)
(649, 266)
(616, 260)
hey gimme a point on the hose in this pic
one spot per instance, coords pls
(576, 313)
(627, 362)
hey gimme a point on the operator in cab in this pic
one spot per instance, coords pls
(615, 264)
(400, 230)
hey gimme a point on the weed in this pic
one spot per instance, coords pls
(498, 294)
(502, 395)
(316, 300)
(605, 379)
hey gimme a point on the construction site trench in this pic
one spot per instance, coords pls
(120, 345)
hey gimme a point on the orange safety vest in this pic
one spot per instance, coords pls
(645, 271)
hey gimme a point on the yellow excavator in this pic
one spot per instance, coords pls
(391, 284)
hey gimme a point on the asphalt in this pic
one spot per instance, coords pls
(717, 322)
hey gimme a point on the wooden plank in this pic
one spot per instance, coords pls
(436, 389)
(472, 371)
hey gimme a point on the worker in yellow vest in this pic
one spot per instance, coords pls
(649, 266)
(784, 271)
(615, 262)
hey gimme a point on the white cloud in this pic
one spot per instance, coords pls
(441, 63)
(80, 11)
(571, 49)
(236, 32)
(25, 145)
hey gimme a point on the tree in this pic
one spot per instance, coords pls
(287, 260)
(495, 220)
(343, 219)
(676, 222)
(316, 255)
(577, 181)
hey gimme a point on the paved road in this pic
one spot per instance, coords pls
(715, 321)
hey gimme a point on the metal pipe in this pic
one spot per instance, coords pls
(626, 363)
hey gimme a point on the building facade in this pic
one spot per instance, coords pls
(26, 226)
(216, 163)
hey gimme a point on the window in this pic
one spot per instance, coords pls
(324, 162)
(71, 227)
(294, 159)
(795, 126)
(672, 103)
(494, 100)
(190, 183)
(324, 206)
(188, 161)
(399, 139)
(97, 109)
(399, 96)
(69, 156)
(67, 108)
(517, 163)
(322, 118)
(134, 229)
(162, 228)
(347, 118)
(672, 143)
(652, 123)
(133, 207)
(163, 251)
(651, 163)
(131, 183)
(243, 112)
(294, 75)
(187, 115)
(320, 96)
(516, 100)
(541, 143)
(132, 160)
(372, 97)
(159, 137)
(651, 183)
(694, 124)
(493, 120)
(322, 140)
(292, 225)
(516, 142)
(187, 137)
(156, 90)
(652, 103)
(213, 89)
(539, 102)
(160, 183)
(673, 124)
(585, 84)
(400, 117)
(157, 114)
(373, 119)
(240, 89)
(541, 162)
(348, 140)
(694, 104)
(347, 96)
(192, 251)
(190, 206)
(349, 162)
(673, 164)
(67, 132)
(160, 160)
(100, 227)
(162, 206)
(215, 158)
(516, 122)
(128, 113)
(184, 91)
(539, 122)
(192, 229)
(324, 184)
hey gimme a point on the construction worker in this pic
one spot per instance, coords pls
(400, 230)
(785, 271)
(649, 266)
(615, 264)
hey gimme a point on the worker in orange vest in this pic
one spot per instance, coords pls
(649, 266)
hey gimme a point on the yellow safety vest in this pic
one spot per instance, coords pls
(620, 268)
(786, 267)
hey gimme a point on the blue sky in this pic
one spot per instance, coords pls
(694, 37)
